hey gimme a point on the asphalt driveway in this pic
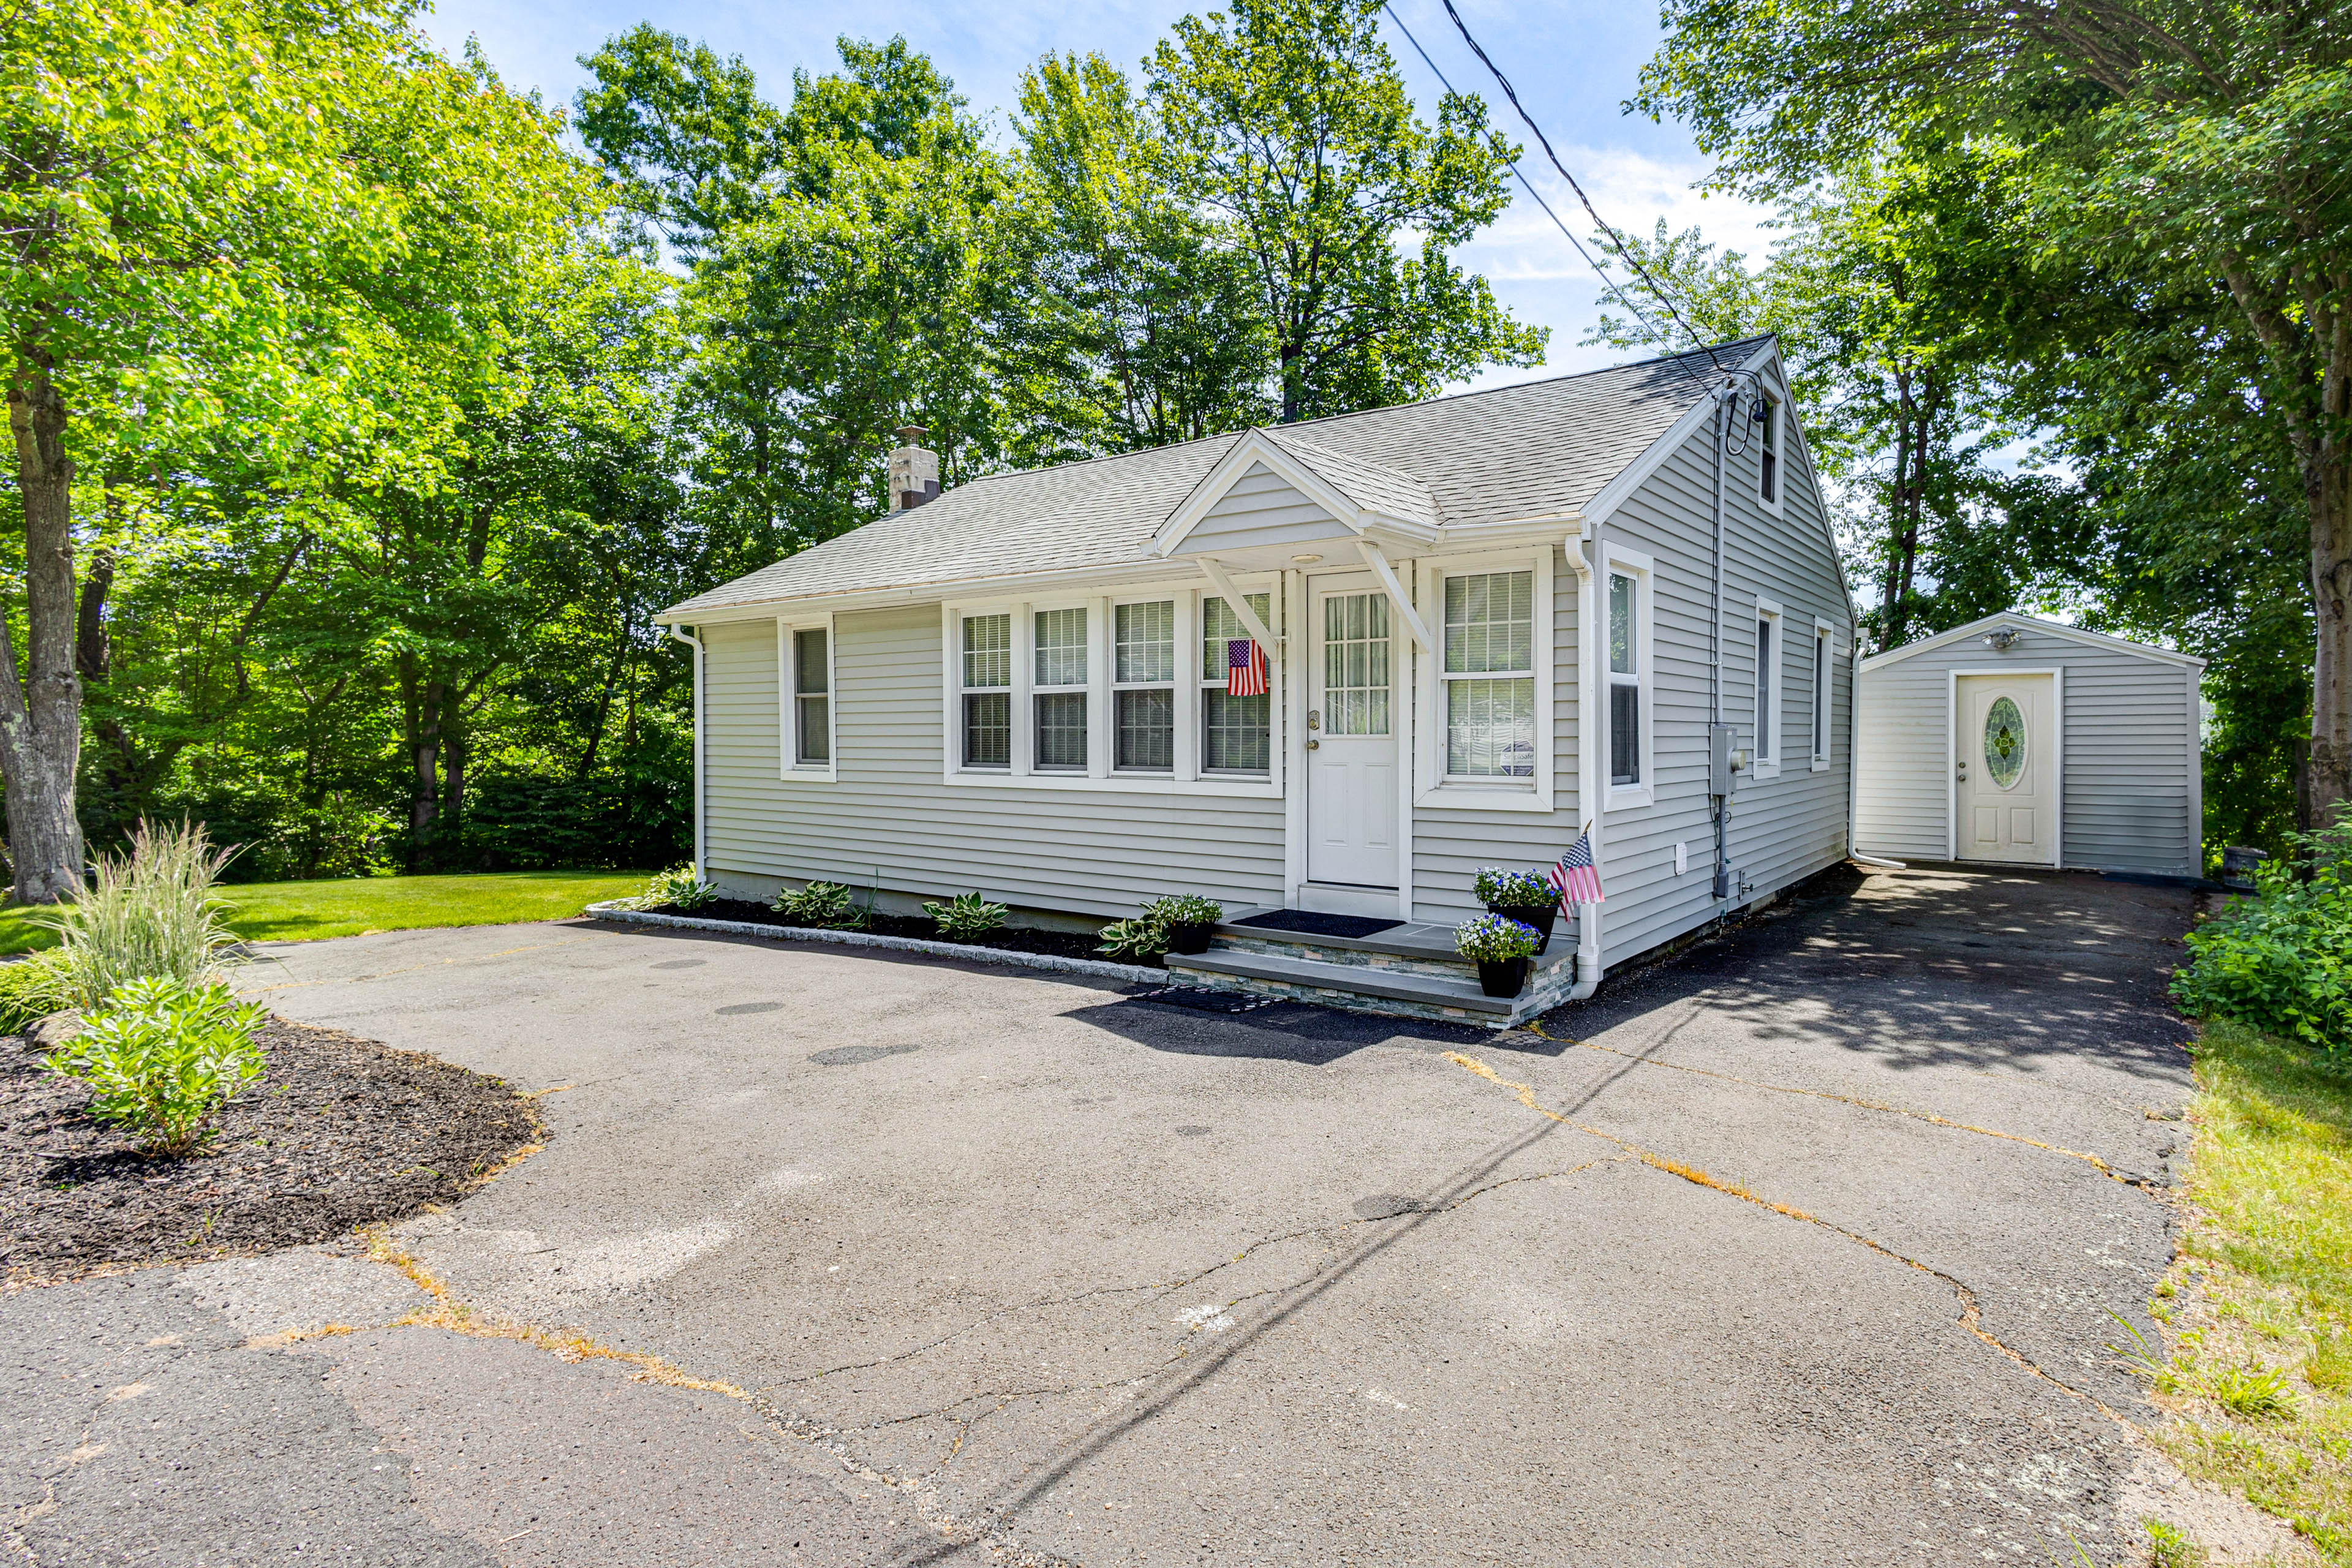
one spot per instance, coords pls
(1797, 1249)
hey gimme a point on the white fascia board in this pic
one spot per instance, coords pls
(1141, 572)
(1255, 447)
(2056, 628)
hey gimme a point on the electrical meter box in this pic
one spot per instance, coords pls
(1719, 758)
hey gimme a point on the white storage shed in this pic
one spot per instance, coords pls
(2024, 741)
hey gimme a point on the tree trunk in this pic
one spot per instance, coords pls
(2329, 777)
(424, 714)
(40, 710)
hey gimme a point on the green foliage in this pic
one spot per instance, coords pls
(1184, 909)
(1486, 939)
(2282, 960)
(164, 1057)
(33, 987)
(2169, 1548)
(151, 911)
(825, 904)
(967, 917)
(1522, 890)
(677, 888)
(1140, 939)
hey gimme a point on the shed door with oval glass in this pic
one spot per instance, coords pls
(1351, 779)
(2005, 791)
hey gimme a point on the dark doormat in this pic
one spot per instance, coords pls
(1200, 999)
(1308, 922)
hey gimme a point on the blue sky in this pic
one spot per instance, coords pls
(1573, 65)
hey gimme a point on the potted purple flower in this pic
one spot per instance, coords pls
(1527, 896)
(1500, 947)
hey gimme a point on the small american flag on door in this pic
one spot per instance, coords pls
(1575, 877)
(1244, 668)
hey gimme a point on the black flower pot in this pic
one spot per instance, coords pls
(1502, 976)
(1539, 916)
(1191, 937)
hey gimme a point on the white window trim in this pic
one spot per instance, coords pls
(1764, 761)
(1432, 788)
(1825, 664)
(1101, 667)
(788, 708)
(1616, 559)
(1774, 502)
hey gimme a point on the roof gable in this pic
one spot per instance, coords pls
(2059, 629)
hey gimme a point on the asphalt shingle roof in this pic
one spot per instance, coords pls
(1539, 448)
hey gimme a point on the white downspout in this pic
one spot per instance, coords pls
(1588, 752)
(701, 842)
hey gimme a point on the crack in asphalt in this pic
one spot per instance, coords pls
(2145, 1185)
(1971, 1316)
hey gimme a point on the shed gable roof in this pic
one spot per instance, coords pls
(1535, 450)
(2059, 629)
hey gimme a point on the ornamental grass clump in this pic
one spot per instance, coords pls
(163, 1056)
(2282, 960)
(967, 917)
(148, 911)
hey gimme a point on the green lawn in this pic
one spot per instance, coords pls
(2259, 1310)
(297, 911)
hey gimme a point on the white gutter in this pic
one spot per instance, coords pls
(1587, 751)
(701, 843)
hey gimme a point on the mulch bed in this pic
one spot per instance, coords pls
(339, 1132)
(1057, 943)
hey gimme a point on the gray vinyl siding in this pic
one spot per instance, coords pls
(892, 817)
(1448, 845)
(1262, 508)
(2129, 791)
(1783, 829)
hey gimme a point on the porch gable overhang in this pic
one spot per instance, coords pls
(1389, 507)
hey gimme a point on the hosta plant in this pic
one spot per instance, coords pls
(678, 889)
(967, 917)
(825, 904)
(1140, 939)
(1491, 939)
(162, 1057)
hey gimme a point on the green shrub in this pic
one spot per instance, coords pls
(967, 917)
(680, 889)
(2282, 960)
(163, 1056)
(1487, 939)
(825, 904)
(1520, 889)
(1184, 909)
(33, 987)
(1140, 939)
(150, 912)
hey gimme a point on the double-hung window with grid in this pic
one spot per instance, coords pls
(1237, 732)
(986, 661)
(1489, 675)
(1143, 687)
(1058, 690)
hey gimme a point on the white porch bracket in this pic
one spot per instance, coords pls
(1387, 575)
(1234, 596)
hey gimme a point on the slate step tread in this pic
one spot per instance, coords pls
(1397, 985)
(1414, 940)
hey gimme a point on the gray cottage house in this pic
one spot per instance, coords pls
(1492, 619)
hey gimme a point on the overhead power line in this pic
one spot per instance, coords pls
(1615, 243)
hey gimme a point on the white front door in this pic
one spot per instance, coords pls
(2007, 777)
(1351, 723)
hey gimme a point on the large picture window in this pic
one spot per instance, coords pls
(1143, 691)
(1235, 732)
(987, 677)
(1487, 675)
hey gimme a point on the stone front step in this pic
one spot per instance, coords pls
(1418, 948)
(1363, 987)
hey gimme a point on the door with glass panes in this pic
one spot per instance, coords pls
(2006, 784)
(1351, 743)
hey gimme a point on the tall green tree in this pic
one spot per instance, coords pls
(1291, 124)
(2187, 143)
(216, 213)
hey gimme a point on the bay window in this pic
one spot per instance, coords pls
(1487, 675)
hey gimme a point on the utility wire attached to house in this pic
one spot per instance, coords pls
(1615, 242)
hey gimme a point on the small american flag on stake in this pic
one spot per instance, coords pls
(1575, 877)
(1244, 668)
